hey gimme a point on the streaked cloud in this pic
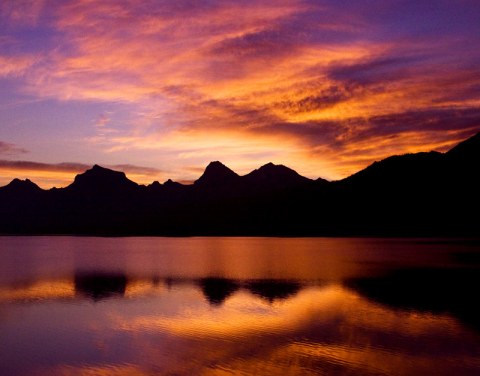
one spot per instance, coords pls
(28, 165)
(10, 149)
(22, 11)
(14, 65)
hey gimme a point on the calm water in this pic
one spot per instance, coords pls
(252, 306)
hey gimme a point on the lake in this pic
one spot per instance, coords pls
(248, 306)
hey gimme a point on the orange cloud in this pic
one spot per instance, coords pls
(14, 65)
(252, 74)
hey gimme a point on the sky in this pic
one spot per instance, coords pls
(158, 89)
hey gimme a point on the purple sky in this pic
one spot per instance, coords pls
(159, 89)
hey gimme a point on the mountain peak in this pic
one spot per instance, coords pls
(22, 185)
(155, 184)
(97, 167)
(217, 166)
(278, 175)
(18, 181)
(271, 167)
(101, 178)
(101, 172)
(216, 173)
(170, 184)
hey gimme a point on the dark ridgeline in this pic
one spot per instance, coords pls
(422, 194)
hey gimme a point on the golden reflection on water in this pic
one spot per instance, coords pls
(332, 327)
(323, 329)
(137, 287)
(333, 259)
(244, 314)
(255, 308)
(107, 370)
(39, 290)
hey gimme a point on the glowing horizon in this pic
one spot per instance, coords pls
(159, 89)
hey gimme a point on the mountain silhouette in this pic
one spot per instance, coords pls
(274, 176)
(216, 175)
(17, 186)
(420, 194)
(403, 169)
(100, 179)
(467, 151)
(425, 193)
(172, 184)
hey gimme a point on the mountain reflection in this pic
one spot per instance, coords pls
(433, 290)
(272, 290)
(437, 290)
(216, 290)
(99, 286)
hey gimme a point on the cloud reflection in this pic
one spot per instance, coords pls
(336, 330)
(308, 330)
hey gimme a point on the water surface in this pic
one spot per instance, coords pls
(126, 306)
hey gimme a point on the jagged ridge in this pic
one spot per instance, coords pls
(413, 194)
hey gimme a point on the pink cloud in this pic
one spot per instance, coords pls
(340, 88)
(9, 149)
(22, 11)
(102, 120)
(13, 66)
